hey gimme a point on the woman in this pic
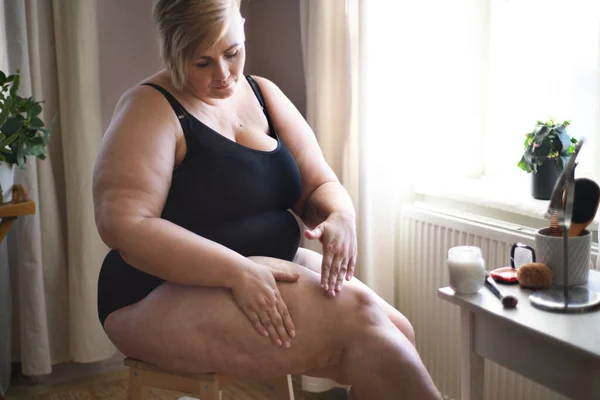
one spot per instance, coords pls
(193, 186)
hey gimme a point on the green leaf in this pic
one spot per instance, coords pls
(523, 165)
(12, 125)
(15, 85)
(2, 80)
(4, 114)
(48, 130)
(21, 161)
(35, 110)
(36, 123)
(35, 151)
(8, 141)
(37, 140)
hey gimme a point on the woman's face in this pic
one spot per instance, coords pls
(215, 71)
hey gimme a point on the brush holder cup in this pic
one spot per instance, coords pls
(549, 250)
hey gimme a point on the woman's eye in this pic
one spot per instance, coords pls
(232, 55)
(201, 65)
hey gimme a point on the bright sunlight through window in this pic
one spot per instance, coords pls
(543, 63)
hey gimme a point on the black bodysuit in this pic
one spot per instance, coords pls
(222, 191)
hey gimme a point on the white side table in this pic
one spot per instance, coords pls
(559, 351)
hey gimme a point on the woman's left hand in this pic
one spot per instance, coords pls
(337, 234)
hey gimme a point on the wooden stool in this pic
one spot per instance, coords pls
(206, 386)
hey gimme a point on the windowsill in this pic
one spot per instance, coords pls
(497, 195)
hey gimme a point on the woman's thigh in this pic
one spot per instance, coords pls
(199, 329)
(312, 260)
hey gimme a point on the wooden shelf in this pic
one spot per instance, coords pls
(20, 205)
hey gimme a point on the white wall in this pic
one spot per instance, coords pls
(274, 47)
(129, 51)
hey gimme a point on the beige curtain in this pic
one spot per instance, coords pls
(327, 62)
(55, 255)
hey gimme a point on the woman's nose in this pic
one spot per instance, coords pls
(222, 71)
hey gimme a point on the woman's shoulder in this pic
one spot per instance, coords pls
(143, 108)
(145, 97)
(262, 82)
(271, 92)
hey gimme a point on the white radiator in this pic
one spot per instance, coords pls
(425, 237)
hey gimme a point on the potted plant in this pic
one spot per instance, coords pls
(22, 132)
(547, 149)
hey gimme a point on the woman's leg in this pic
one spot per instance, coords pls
(312, 260)
(199, 330)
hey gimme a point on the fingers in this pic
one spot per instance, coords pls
(326, 269)
(278, 325)
(314, 234)
(265, 319)
(284, 276)
(341, 275)
(287, 318)
(336, 274)
(283, 337)
(256, 323)
(351, 266)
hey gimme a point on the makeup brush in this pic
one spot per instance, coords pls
(555, 229)
(585, 205)
(508, 301)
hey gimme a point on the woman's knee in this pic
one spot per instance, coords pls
(407, 329)
(366, 309)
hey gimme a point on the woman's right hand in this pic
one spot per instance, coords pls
(258, 296)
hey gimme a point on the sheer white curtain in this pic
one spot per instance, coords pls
(422, 104)
(56, 254)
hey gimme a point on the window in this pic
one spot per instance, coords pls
(543, 63)
(450, 88)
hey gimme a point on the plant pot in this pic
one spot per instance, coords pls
(7, 180)
(542, 183)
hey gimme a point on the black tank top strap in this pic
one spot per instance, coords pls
(261, 100)
(181, 112)
(176, 105)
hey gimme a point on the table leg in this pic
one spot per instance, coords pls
(471, 364)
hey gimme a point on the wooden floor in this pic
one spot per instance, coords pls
(113, 386)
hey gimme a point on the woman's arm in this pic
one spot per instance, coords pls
(328, 198)
(324, 206)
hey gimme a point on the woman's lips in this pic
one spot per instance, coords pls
(223, 87)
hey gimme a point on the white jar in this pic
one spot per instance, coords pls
(466, 268)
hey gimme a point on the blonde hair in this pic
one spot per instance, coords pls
(184, 24)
